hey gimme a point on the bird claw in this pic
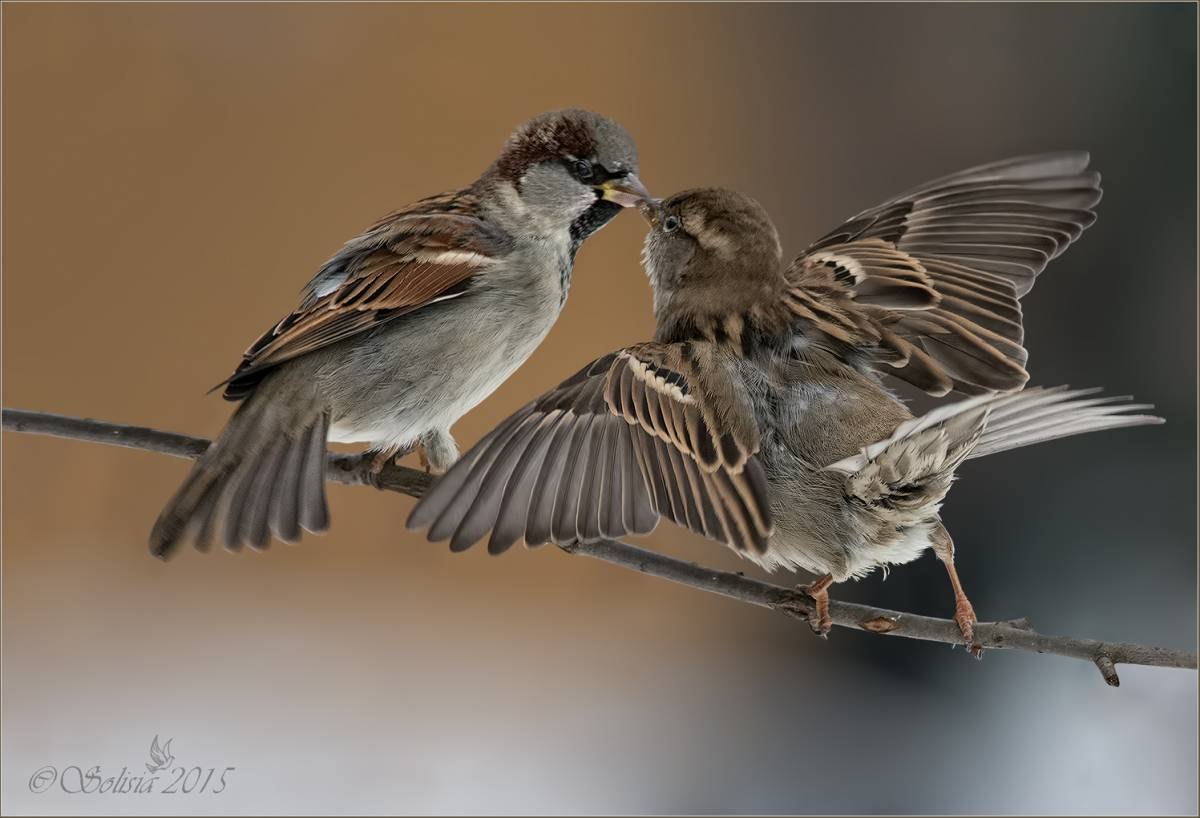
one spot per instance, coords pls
(376, 462)
(964, 617)
(379, 461)
(819, 620)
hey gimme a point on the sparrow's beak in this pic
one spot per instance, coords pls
(651, 210)
(627, 191)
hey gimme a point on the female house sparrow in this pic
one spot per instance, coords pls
(757, 416)
(403, 331)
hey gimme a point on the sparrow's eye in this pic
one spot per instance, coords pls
(670, 224)
(583, 170)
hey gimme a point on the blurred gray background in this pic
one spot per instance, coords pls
(174, 174)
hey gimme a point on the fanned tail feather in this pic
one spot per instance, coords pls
(264, 475)
(988, 424)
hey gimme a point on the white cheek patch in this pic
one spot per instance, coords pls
(544, 202)
(512, 199)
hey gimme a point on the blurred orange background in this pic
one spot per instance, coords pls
(173, 174)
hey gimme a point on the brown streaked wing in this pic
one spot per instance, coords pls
(937, 273)
(640, 433)
(414, 257)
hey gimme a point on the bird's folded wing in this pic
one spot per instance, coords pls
(650, 430)
(931, 280)
(412, 258)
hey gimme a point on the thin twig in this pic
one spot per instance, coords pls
(792, 602)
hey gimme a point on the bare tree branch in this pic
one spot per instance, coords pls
(792, 602)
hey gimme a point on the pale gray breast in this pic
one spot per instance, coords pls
(426, 369)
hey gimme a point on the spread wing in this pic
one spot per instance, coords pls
(427, 253)
(652, 430)
(931, 281)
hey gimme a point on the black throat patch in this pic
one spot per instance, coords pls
(599, 214)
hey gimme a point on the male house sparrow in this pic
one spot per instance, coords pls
(407, 328)
(757, 416)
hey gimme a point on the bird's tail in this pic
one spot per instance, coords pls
(941, 439)
(265, 474)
